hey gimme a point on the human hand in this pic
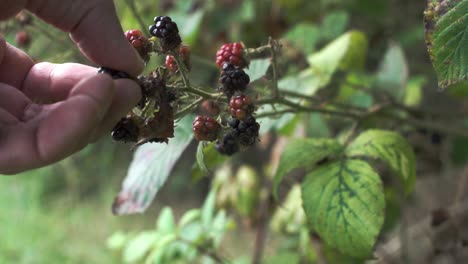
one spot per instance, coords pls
(49, 111)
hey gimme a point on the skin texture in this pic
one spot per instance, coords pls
(49, 111)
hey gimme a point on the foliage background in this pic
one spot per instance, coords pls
(61, 214)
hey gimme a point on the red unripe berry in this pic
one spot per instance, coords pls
(22, 39)
(241, 107)
(231, 53)
(138, 41)
(205, 128)
(171, 63)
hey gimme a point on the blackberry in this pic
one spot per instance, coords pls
(167, 33)
(245, 131)
(241, 107)
(231, 53)
(171, 63)
(228, 145)
(125, 130)
(115, 74)
(233, 79)
(205, 128)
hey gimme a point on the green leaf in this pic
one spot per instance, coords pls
(211, 159)
(117, 240)
(139, 246)
(150, 168)
(189, 25)
(201, 158)
(303, 153)
(208, 209)
(344, 202)
(389, 147)
(446, 25)
(414, 93)
(347, 52)
(304, 36)
(334, 24)
(257, 69)
(393, 72)
(189, 217)
(166, 223)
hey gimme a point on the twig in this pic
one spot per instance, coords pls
(274, 45)
(262, 226)
(188, 108)
(136, 14)
(182, 68)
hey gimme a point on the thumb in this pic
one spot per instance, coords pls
(95, 28)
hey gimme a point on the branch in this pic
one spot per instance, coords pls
(136, 14)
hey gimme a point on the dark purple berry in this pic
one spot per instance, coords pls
(125, 130)
(228, 145)
(115, 74)
(233, 79)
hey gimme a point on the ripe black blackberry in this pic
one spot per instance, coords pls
(228, 144)
(125, 130)
(246, 131)
(115, 74)
(233, 79)
(167, 33)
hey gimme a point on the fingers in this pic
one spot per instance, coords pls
(127, 95)
(95, 28)
(70, 125)
(50, 83)
(14, 64)
(13, 101)
(59, 129)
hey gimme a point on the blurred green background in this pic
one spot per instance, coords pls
(61, 214)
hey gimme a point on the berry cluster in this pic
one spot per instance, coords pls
(167, 33)
(184, 53)
(231, 53)
(243, 129)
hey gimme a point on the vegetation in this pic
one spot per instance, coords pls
(353, 125)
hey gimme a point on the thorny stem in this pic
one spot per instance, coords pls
(188, 108)
(182, 69)
(273, 49)
(205, 95)
(136, 14)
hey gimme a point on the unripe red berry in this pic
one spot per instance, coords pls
(241, 107)
(231, 53)
(22, 39)
(138, 42)
(171, 63)
(205, 128)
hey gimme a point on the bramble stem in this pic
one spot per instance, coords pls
(136, 14)
(188, 108)
(273, 49)
(182, 69)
